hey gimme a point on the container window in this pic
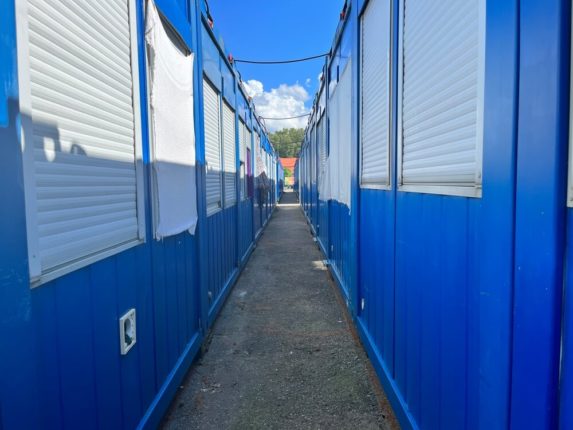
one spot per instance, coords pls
(375, 107)
(250, 180)
(172, 131)
(82, 136)
(229, 155)
(441, 97)
(249, 174)
(212, 126)
(242, 159)
(323, 154)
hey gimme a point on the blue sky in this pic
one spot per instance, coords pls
(277, 30)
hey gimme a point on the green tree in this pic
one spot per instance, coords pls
(287, 141)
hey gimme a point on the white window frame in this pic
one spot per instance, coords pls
(474, 190)
(37, 277)
(224, 202)
(220, 130)
(369, 185)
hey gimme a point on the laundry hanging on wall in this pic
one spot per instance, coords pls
(172, 127)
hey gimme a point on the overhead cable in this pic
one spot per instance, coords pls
(294, 60)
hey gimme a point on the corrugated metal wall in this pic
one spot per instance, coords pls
(64, 368)
(457, 299)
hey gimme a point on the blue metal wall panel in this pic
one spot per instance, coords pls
(20, 402)
(245, 227)
(211, 59)
(323, 225)
(566, 379)
(448, 271)
(228, 85)
(71, 323)
(540, 211)
(221, 251)
(376, 269)
(436, 272)
(340, 245)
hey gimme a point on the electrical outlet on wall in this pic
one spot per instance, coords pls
(127, 331)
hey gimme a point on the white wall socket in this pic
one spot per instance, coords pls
(127, 331)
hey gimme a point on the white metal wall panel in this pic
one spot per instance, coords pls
(212, 120)
(230, 155)
(443, 50)
(375, 93)
(81, 166)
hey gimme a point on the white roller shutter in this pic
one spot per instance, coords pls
(323, 154)
(375, 94)
(322, 144)
(249, 161)
(242, 140)
(313, 149)
(243, 155)
(212, 119)
(442, 95)
(79, 118)
(230, 155)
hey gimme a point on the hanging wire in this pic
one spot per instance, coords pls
(295, 60)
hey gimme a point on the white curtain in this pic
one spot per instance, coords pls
(173, 132)
(336, 177)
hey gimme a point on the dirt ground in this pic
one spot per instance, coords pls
(282, 354)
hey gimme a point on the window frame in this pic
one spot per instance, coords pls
(39, 277)
(391, 94)
(224, 202)
(470, 190)
(219, 94)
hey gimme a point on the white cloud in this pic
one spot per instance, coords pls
(284, 101)
(307, 82)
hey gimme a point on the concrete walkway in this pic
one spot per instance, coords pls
(281, 354)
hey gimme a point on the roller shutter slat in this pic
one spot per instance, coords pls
(243, 134)
(375, 93)
(83, 130)
(211, 102)
(97, 237)
(441, 96)
(230, 155)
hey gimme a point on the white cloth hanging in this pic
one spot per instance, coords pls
(344, 173)
(335, 180)
(173, 131)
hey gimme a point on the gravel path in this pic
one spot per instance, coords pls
(282, 354)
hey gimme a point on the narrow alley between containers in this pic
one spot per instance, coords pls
(349, 214)
(282, 353)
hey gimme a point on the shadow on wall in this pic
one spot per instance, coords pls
(35, 322)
